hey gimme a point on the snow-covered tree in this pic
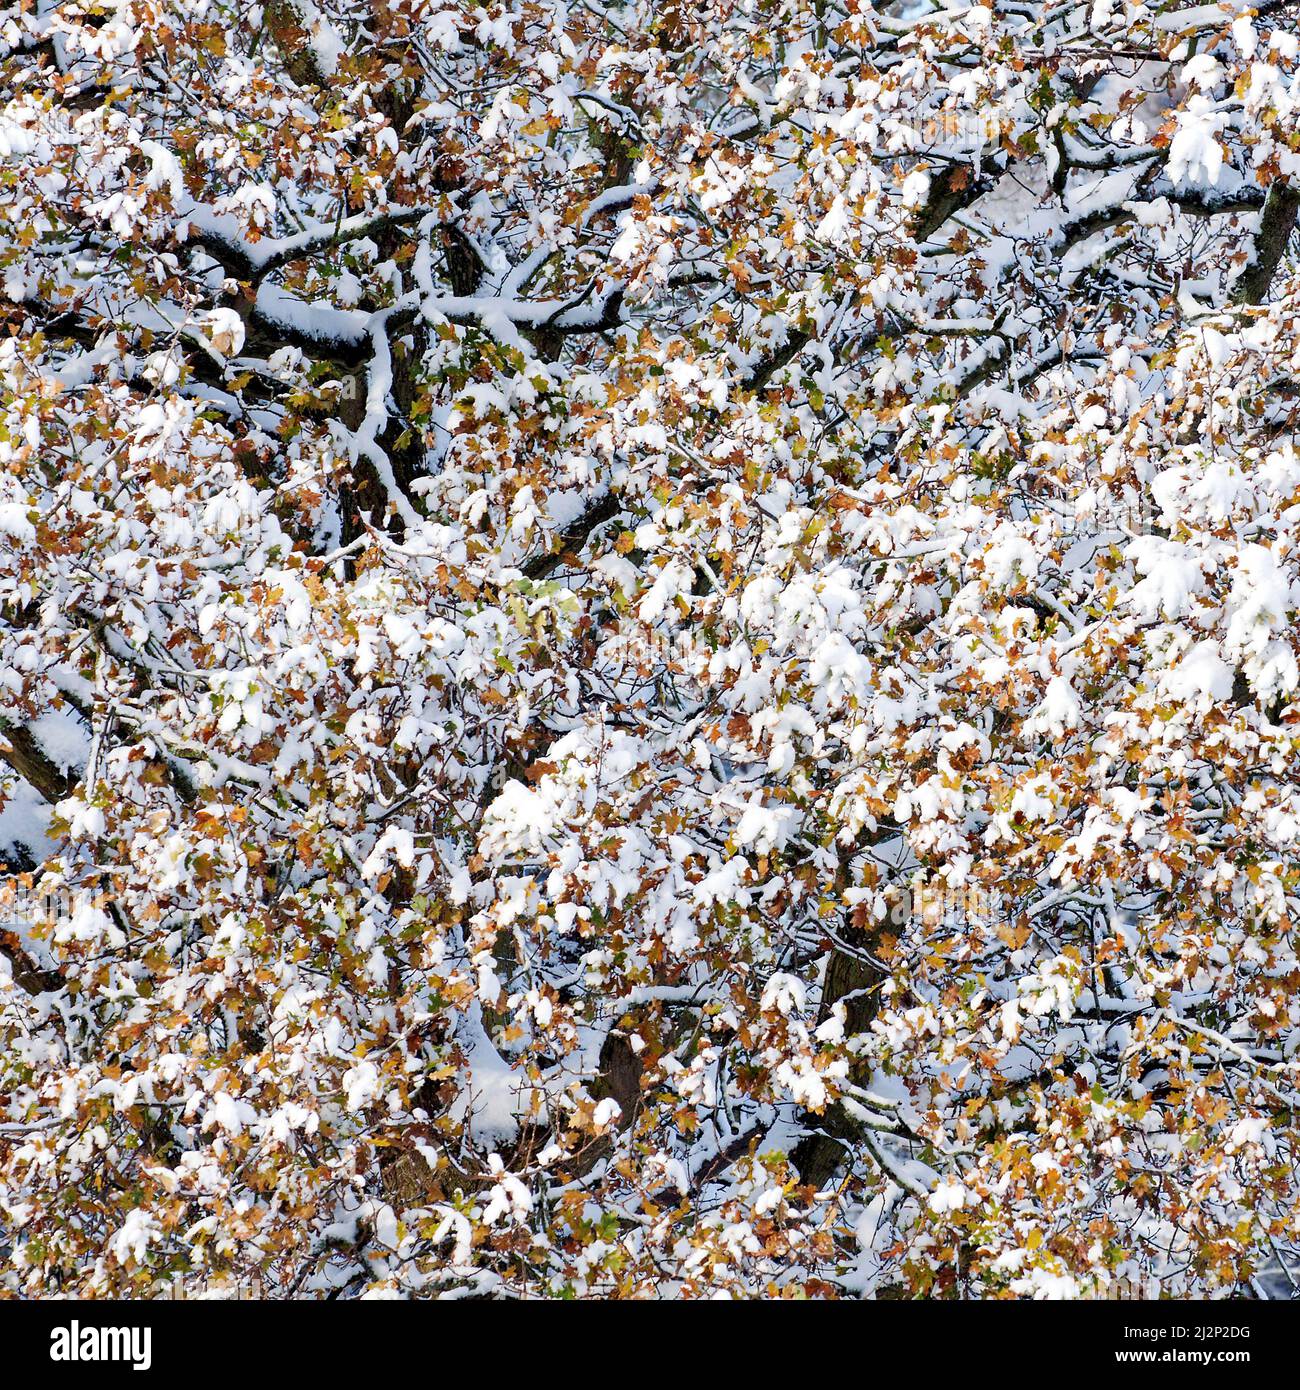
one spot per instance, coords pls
(647, 649)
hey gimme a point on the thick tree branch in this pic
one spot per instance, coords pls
(247, 260)
(28, 760)
(574, 536)
(27, 975)
(1276, 223)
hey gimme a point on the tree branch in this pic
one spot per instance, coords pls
(1276, 223)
